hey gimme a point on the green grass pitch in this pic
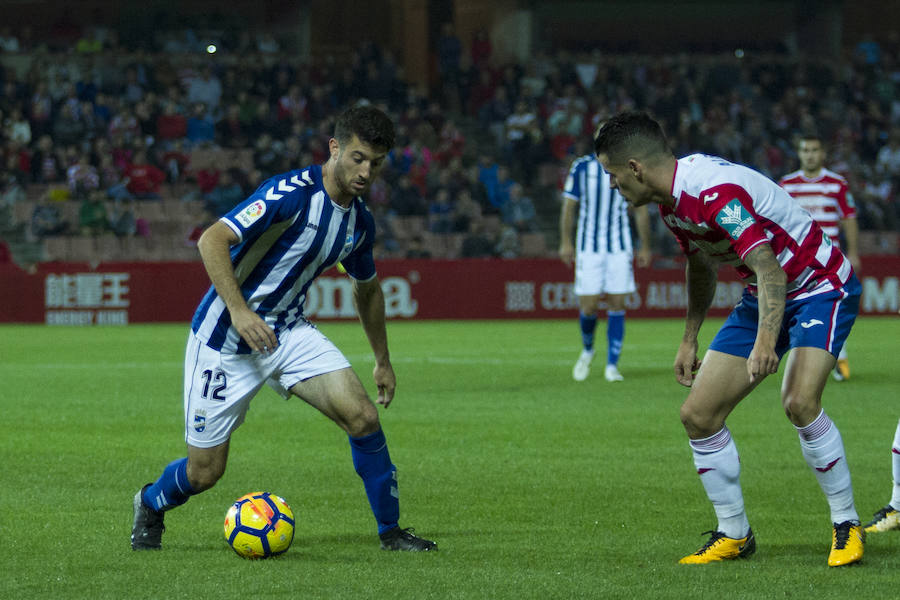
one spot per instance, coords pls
(534, 486)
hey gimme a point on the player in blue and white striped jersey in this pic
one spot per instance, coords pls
(249, 329)
(602, 252)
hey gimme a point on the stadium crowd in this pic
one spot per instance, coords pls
(95, 132)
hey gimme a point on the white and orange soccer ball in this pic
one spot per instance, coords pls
(259, 525)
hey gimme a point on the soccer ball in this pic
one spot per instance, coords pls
(259, 525)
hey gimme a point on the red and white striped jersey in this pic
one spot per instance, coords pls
(825, 196)
(726, 210)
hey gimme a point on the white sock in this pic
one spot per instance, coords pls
(719, 467)
(843, 353)
(823, 450)
(895, 463)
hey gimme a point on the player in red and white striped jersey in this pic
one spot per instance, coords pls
(826, 196)
(801, 296)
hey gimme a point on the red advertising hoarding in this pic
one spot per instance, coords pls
(121, 293)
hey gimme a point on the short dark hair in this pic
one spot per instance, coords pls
(630, 134)
(368, 123)
(810, 136)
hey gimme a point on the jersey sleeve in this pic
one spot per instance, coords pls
(572, 186)
(733, 213)
(360, 263)
(846, 204)
(268, 204)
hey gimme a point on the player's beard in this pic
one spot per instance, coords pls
(344, 182)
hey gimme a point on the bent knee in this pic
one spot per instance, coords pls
(699, 423)
(800, 409)
(361, 420)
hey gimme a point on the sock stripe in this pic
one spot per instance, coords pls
(816, 429)
(713, 443)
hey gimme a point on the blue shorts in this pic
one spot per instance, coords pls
(820, 321)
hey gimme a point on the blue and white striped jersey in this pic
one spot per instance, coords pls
(603, 225)
(290, 231)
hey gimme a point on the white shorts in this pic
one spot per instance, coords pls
(603, 273)
(218, 387)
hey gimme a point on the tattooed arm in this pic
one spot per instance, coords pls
(771, 282)
(701, 274)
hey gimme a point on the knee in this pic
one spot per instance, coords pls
(362, 420)
(799, 408)
(698, 423)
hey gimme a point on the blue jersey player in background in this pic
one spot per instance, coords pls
(249, 330)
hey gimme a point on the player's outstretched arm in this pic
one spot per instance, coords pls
(214, 247)
(369, 301)
(771, 282)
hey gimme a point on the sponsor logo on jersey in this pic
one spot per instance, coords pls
(734, 219)
(251, 213)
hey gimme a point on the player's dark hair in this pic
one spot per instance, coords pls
(810, 136)
(368, 123)
(630, 134)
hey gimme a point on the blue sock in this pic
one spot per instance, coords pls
(379, 475)
(171, 489)
(588, 324)
(615, 333)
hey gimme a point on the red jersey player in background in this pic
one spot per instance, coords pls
(825, 195)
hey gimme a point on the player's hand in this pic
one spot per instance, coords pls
(259, 336)
(567, 254)
(686, 363)
(386, 382)
(762, 361)
(644, 257)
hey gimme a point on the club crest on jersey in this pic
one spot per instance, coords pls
(251, 213)
(199, 420)
(734, 219)
(348, 243)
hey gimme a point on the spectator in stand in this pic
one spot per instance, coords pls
(226, 194)
(82, 176)
(205, 89)
(122, 219)
(518, 211)
(466, 210)
(68, 130)
(481, 49)
(171, 125)
(124, 125)
(201, 129)
(415, 248)
(46, 220)
(93, 219)
(40, 110)
(440, 213)
(522, 133)
(176, 162)
(478, 243)
(888, 160)
(231, 130)
(17, 128)
(46, 167)
(406, 200)
(144, 178)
